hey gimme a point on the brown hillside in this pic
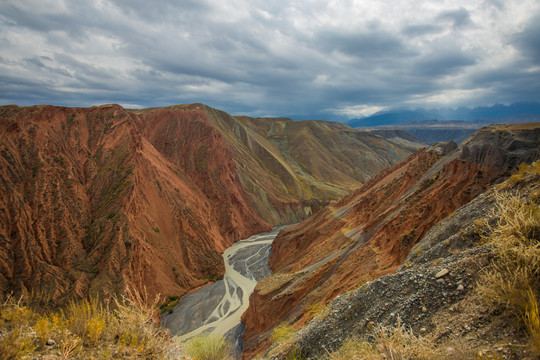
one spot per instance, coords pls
(92, 206)
(98, 199)
(370, 232)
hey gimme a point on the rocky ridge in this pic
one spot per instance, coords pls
(434, 293)
(371, 232)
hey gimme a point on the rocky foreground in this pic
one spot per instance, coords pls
(435, 292)
(406, 248)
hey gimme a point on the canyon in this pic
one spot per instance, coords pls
(216, 309)
(99, 200)
(102, 201)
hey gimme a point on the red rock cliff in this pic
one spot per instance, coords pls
(96, 200)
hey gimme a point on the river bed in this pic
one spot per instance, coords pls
(217, 308)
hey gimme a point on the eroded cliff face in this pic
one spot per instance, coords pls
(370, 232)
(96, 200)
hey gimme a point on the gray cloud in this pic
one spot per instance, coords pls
(443, 63)
(421, 30)
(528, 40)
(459, 18)
(366, 44)
(300, 59)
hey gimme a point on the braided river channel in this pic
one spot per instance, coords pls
(217, 308)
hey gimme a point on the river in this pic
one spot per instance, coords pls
(217, 308)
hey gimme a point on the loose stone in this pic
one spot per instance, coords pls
(50, 342)
(441, 273)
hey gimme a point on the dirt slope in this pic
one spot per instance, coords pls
(299, 166)
(371, 232)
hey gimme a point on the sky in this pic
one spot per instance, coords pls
(319, 59)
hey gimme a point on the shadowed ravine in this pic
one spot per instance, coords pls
(218, 307)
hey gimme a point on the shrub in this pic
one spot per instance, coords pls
(15, 344)
(169, 305)
(531, 319)
(399, 343)
(70, 345)
(94, 330)
(84, 329)
(512, 280)
(282, 333)
(208, 347)
(80, 314)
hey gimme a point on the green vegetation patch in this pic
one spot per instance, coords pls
(168, 306)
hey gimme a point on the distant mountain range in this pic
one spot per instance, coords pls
(398, 116)
(433, 131)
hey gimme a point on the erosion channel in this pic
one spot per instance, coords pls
(218, 307)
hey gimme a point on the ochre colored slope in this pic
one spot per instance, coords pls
(370, 232)
(331, 152)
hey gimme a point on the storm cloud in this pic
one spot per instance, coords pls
(304, 59)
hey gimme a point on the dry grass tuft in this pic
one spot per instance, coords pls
(531, 318)
(513, 277)
(317, 310)
(524, 173)
(283, 333)
(398, 343)
(284, 339)
(85, 329)
(209, 348)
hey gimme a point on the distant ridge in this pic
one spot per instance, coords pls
(483, 112)
(433, 131)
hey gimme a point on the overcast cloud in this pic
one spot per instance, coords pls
(301, 58)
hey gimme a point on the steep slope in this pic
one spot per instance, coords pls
(345, 157)
(306, 163)
(90, 205)
(370, 232)
(98, 199)
(437, 292)
(289, 169)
